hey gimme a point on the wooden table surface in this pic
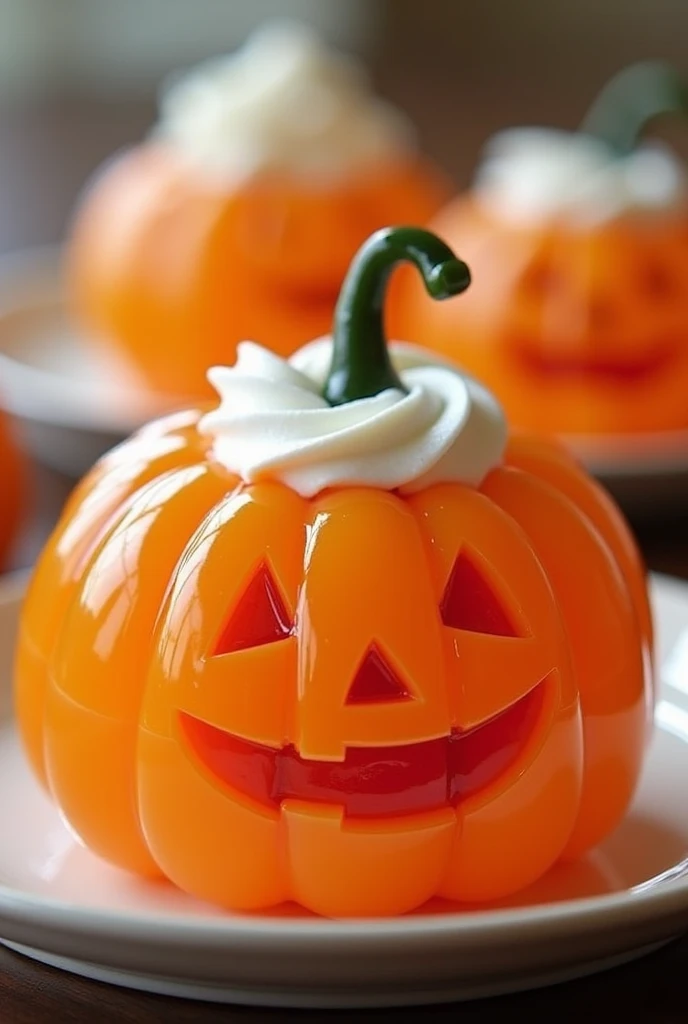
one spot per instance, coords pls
(47, 148)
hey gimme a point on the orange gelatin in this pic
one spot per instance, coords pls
(355, 702)
(354, 698)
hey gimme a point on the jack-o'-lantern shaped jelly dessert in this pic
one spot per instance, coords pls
(578, 242)
(339, 639)
(238, 216)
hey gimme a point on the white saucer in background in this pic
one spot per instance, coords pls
(62, 906)
(71, 401)
(73, 404)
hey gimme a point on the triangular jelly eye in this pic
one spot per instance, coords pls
(470, 603)
(260, 617)
(376, 682)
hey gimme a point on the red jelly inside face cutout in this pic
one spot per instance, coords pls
(371, 781)
(260, 617)
(470, 603)
(376, 681)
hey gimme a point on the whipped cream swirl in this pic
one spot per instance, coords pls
(284, 100)
(272, 423)
(531, 175)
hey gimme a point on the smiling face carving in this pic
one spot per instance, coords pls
(354, 674)
(606, 306)
(420, 628)
(378, 780)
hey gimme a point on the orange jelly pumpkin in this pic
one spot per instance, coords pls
(12, 489)
(579, 245)
(239, 216)
(411, 675)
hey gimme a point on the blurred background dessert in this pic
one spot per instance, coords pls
(578, 243)
(238, 215)
(87, 86)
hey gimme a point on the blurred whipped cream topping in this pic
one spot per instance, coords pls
(284, 100)
(529, 175)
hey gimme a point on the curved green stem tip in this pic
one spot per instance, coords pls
(361, 366)
(632, 99)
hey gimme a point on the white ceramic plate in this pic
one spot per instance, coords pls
(73, 404)
(61, 905)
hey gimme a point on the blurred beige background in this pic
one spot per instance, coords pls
(464, 70)
(79, 79)
(125, 46)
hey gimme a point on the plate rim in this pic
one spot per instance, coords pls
(582, 914)
(380, 998)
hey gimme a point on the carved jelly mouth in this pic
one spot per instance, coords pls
(619, 369)
(371, 781)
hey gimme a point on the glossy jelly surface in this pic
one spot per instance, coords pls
(357, 701)
(371, 782)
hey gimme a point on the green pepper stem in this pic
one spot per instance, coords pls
(361, 366)
(632, 99)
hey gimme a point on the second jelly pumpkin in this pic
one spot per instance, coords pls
(172, 263)
(578, 316)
